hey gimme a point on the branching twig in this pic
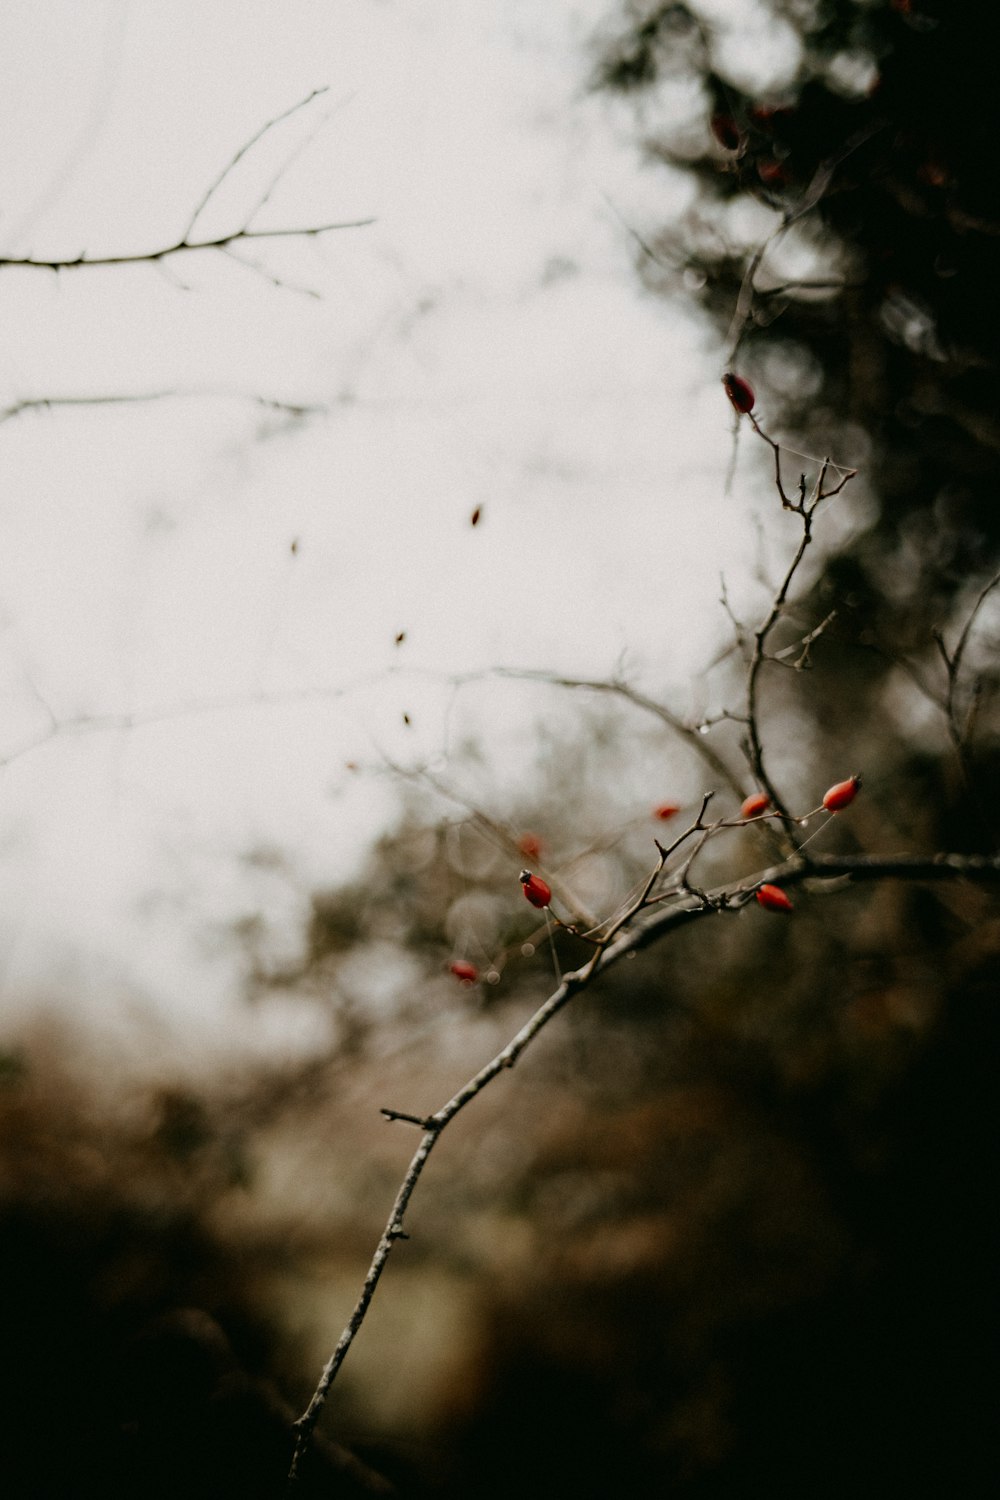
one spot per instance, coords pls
(802, 646)
(687, 731)
(170, 713)
(234, 160)
(629, 935)
(221, 242)
(185, 242)
(805, 507)
(51, 403)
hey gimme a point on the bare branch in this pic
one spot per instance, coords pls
(755, 747)
(280, 282)
(295, 153)
(173, 712)
(805, 508)
(116, 398)
(221, 242)
(627, 937)
(233, 161)
(622, 689)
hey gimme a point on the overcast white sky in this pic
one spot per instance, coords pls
(485, 343)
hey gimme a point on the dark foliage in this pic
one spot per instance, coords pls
(882, 151)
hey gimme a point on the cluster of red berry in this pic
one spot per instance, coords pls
(539, 893)
(839, 796)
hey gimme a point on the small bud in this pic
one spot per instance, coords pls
(755, 805)
(666, 811)
(727, 132)
(842, 795)
(463, 971)
(739, 391)
(535, 889)
(531, 846)
(773, 898)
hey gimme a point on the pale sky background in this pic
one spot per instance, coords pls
(486, 343)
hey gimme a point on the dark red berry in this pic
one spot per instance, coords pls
(771, 172)
(463, 971)
(842, 794)
(758, 803)
(535, 889)
(739, 391)
(530, 845)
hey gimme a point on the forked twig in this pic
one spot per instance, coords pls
(628, 936)
(224, 242)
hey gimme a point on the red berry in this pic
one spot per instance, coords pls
(933, 173)
(666, 811)
(771, 172)
(773, 898)
(766, 114)
(739, 391)
(530, 846)
(727, 132)
(463, 971)
(842, 795)
(535, 889)
(755, 805)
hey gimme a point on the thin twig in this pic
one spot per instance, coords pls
(622, 689)
(813, 195)
(805, 508)
(960, 733)
(234, 160)
(221, 242)
(115, 398)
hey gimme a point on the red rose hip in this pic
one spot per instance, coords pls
(739, 391)
(535, 889)
(773, 898)
(756, 804)
(463, 971)
(842, 794)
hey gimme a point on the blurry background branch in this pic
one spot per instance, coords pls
(228, 242)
